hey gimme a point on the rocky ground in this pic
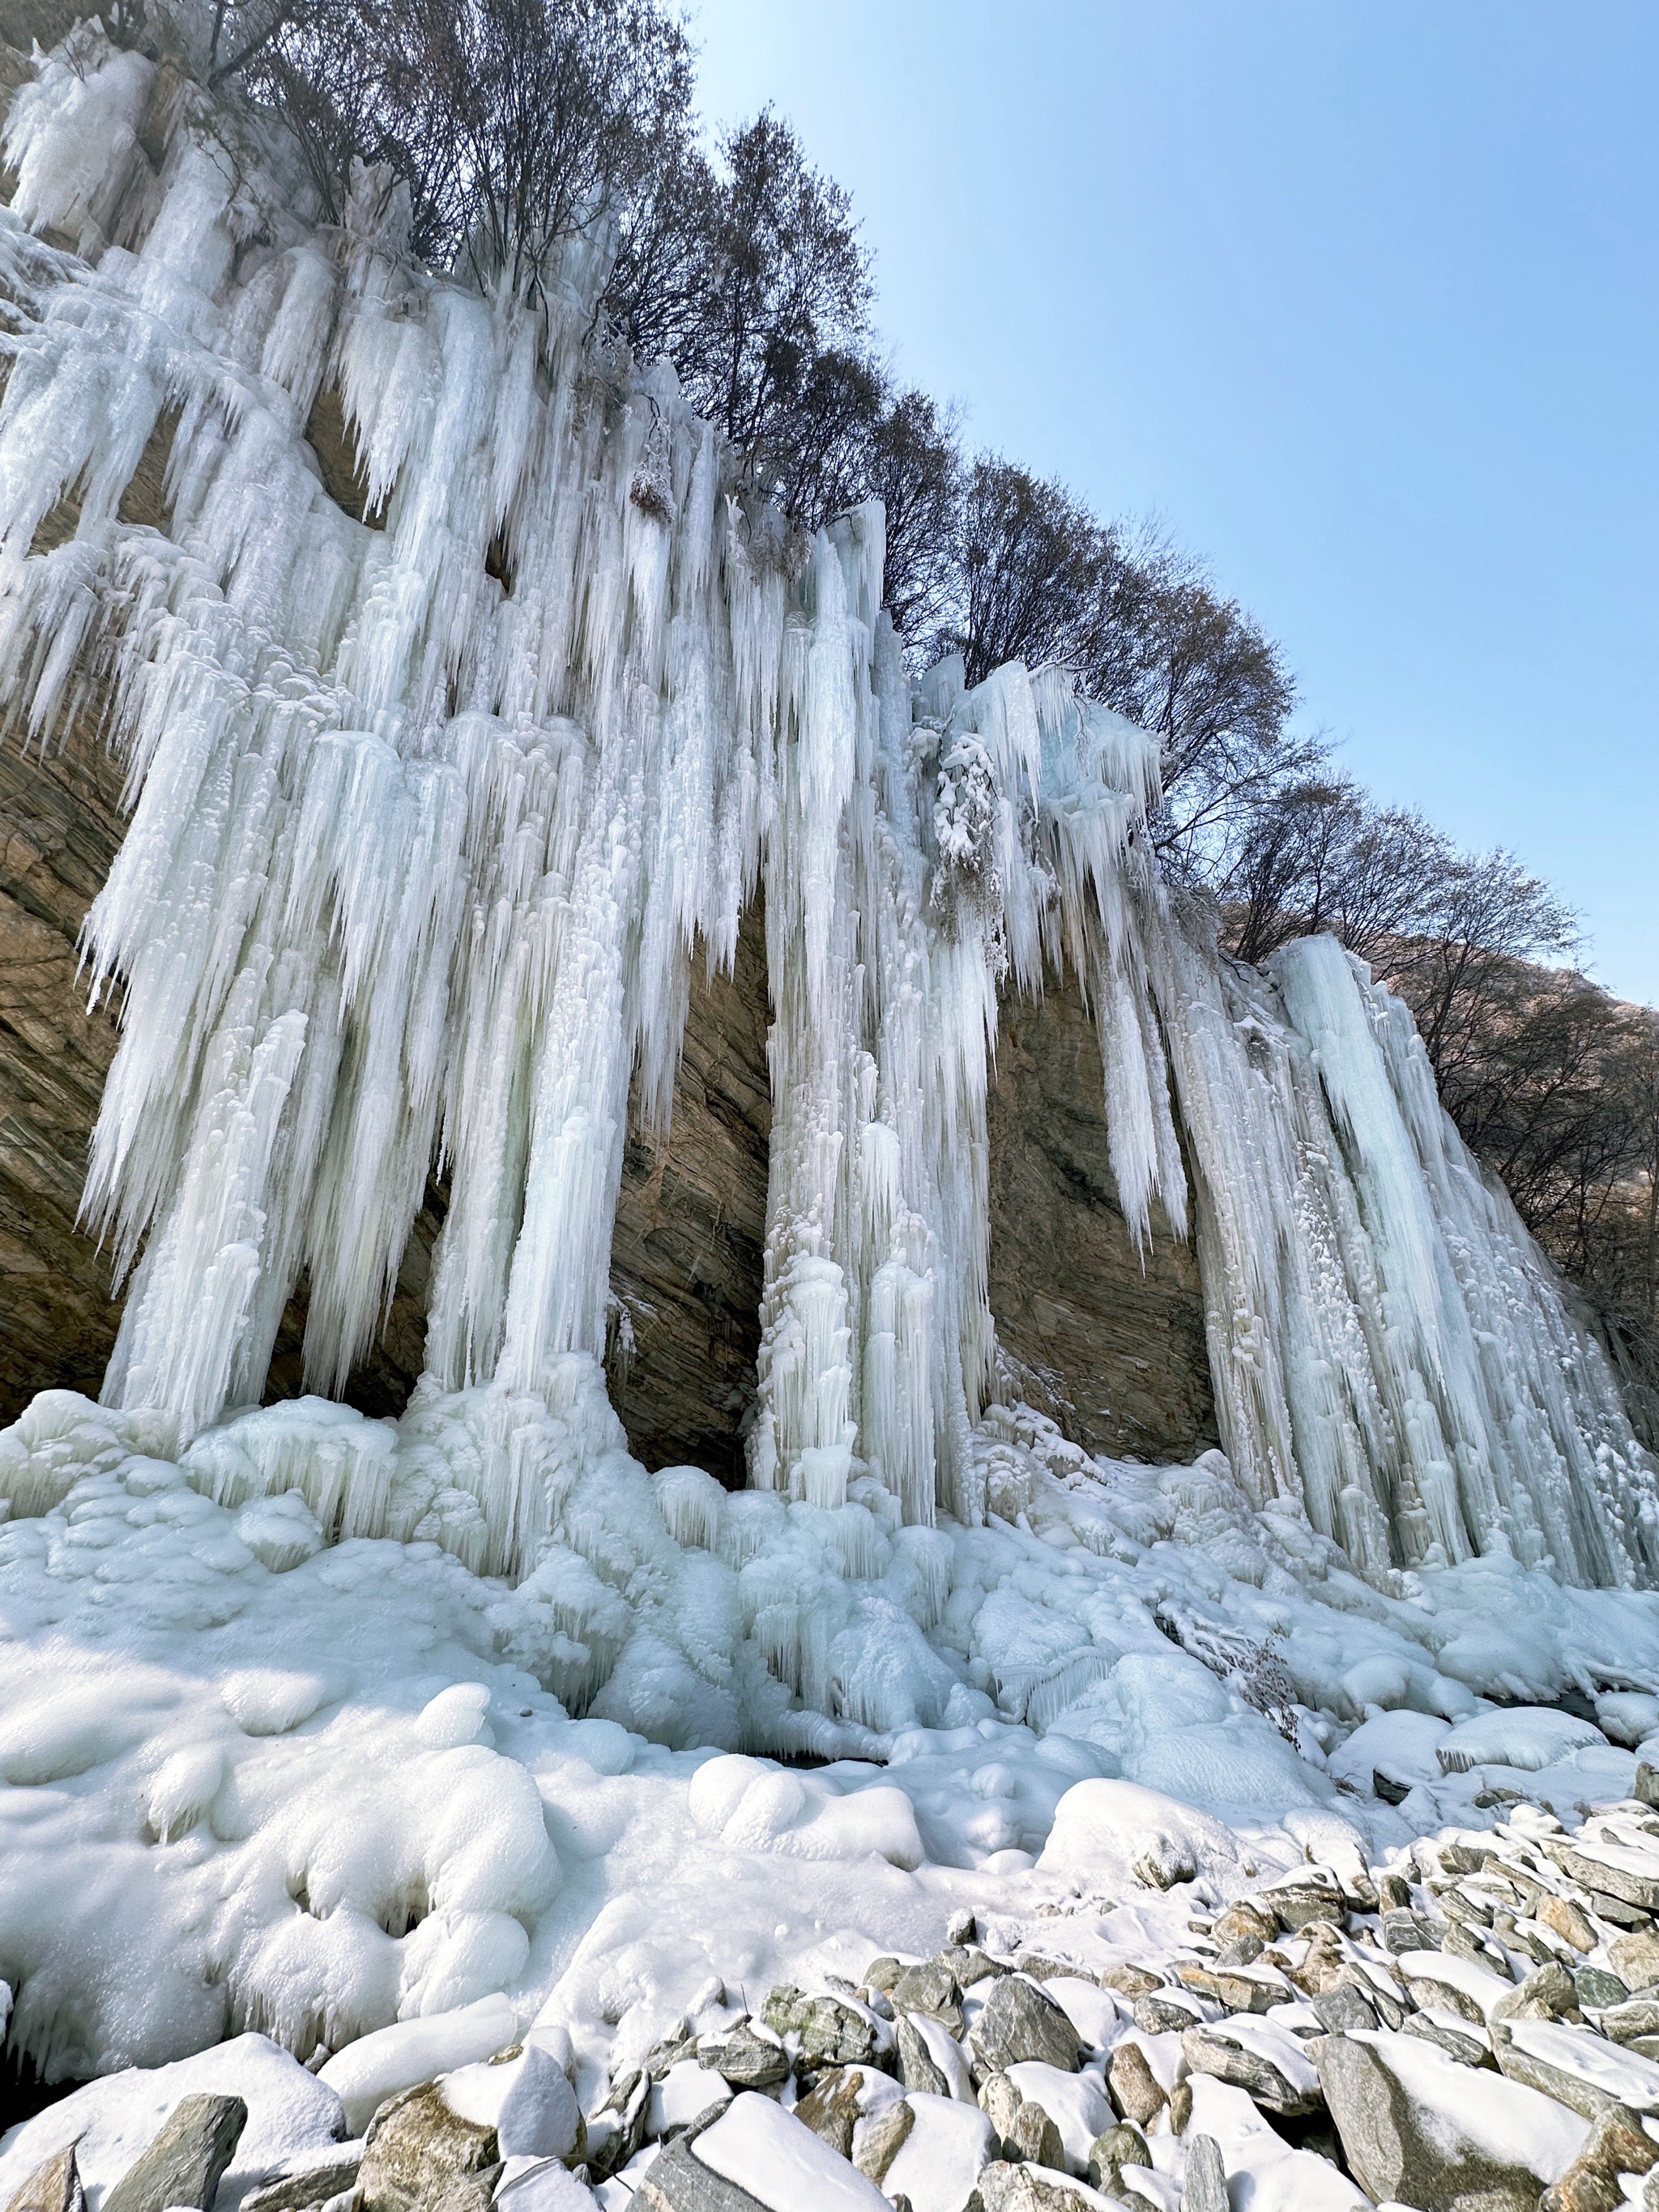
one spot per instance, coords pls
(1471, 2028)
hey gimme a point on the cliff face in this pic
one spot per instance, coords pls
(60, 822)
(1114, 1351)
(1106, 1340)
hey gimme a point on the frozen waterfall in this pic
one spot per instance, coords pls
(433, 811)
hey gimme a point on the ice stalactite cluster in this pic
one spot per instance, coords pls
(432, 810)
(1388, 1346)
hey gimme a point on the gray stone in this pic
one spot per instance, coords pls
(1181, 2106)
(1035, 2137)
(1136, 2092)
(879, 2141)
(419, 2156)
(1398, 2151)
(970, 1965)
(1636, 1960)
(1110, 2153)
(746, 2060)
(1205, 2187)
(663, 2055)
(1244, 1952)
(1005, 2187)
(832, 2032)
(1560, 2075)
(675, 2181)
(1628, 1885)
(1467, 2050)
(999, 2102)
(1019, 2022)
(882, 1973)
(1548, 1994)
(916, 2068)
(1163, 2015)
(1623, 2023)
(1131, 1981)
(1597, 1988)
(1344, 2005)
(183, 2164)
(53, 2187)
(1211, 2050)
(1404, 1930)
(830, 2109)
(618, 2127)
(1235, 1988)
(315, 2184)
(1619, 2145)
(930, 1988)
(1240, 1921)
(1294, 1905)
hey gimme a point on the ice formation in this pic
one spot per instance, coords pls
(431, 813)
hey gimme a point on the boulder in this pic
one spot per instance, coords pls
(931, 1988)
(1635, 1960)
(1003, 2187)
(184, 2163)
(677, 2181)
(1610, 1870)
(1237, 1987)
(53, 2187)
(1135, 2090)
(1549, 1994)
(312, 2184)
(1405, 1930)
(1344, 2005)
(1268, 2064)
(420, 2156)
(1205, 2187)
(744, 2059)
(1020, 2022)
(970, 1966)
(1597, 1988)
(758, 2148)
(1563, 1918)
(878, 2140)
(1578, 2069)
(525, 2096)
(618, 2129)
(1110, 2153)
(1165, 2013)
(834, 2031)
(1303, 1897)
(1417, 2129)
(1619, 2145)
(1132, 1981)
(830, 2109)
(1625, 2022)
(917, 2069)
(1457, 2038)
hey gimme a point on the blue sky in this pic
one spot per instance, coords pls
(1361, 296)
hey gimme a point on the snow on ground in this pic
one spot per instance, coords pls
(261, 1781)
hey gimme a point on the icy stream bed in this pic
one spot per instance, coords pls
(261, 1781)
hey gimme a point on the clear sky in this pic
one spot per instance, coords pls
(1361, 296)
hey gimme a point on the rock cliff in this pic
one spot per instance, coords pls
(1112, 1349)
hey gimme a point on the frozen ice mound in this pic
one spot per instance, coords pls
(367, 1788)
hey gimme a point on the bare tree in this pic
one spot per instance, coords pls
(517, 124)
